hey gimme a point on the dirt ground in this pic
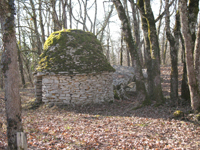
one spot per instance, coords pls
(106, 126)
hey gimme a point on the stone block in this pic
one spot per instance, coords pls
(45, 80)
(66, 101)
(62, 95)
(45, 100)
(56, 80)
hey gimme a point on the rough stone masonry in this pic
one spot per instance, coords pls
(73, 70)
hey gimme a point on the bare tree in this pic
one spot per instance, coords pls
(19, 48)
(56, 22)
(189, 49)
(11, 73)
(33, 15)
(136, 28)
(41, 22)
(174, 45)
(154, 66)
(105, 23)
(85, 14)
(140, 86)
(95, 17)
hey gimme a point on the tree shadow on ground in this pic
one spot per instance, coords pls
(124, 109)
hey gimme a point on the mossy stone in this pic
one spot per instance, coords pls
(116, 96)
(73, 51)
(198, 117)
(178, 113)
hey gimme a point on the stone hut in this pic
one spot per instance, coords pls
(73, 70)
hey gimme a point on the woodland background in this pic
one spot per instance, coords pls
(144, 40)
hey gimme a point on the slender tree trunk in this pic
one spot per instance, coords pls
(136, 29)
(128, 58)
(27, 64)
(105, 23)
(95, 17)
(185, 92)
(1, 71)
(165, 52)
(85, 14)
(121, 49)
(127, 14)
(39, 45)
(140, 85)
(162, 50)
(197, 55)
(70, 14)
(147, 55)
(56, 23)
(48, 23)
(160, 21)
(41, 22)
(193, 10)
(11, 74)
(19, 48)
(173, 40)
(189, 47)
(64, 14)
(108, 50)
(21, 69)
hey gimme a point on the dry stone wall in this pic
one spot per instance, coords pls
(76, 89)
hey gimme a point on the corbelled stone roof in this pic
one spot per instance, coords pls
(73, 51)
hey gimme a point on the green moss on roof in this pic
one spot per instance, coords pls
(73, 51)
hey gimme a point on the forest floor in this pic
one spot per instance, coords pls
(107, 126)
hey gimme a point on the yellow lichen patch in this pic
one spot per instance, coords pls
(178, 113)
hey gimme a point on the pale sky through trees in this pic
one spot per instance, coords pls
(105, 6)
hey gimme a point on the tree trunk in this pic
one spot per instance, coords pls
(39, 45)
(64, 14)
(105, 23)
(147, 55)
(70, 14)
(108, 50)
(185, 92)
(136, 29)
(121, 48)
(41, 22)
(18, 49)
(56, 23)
(140, 85)
(30, 79)
(21, 69)
(95, 17)
(85, 15)
(197, 55)
(165, 52)
(193, 10)
(154, 67)
(173, 40)
(11, 74)
(162, 50)
(160, 21)
(127, 14)
(189, 47)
